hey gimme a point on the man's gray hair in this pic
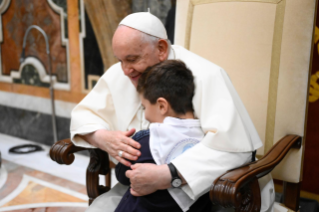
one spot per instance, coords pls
(153, 40)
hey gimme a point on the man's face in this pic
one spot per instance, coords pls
(134, 54)
(152, 111)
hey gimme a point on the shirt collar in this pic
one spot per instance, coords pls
(181, 122)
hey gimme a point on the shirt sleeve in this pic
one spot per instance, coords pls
(146, 157)
(207, 164)
(96, 111)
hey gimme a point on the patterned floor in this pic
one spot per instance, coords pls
(33, 182)
(27, 189)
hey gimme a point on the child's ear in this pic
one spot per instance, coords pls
(163, 105)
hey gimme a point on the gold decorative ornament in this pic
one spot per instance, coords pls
(314, 86)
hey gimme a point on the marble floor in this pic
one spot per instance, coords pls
(33, 182)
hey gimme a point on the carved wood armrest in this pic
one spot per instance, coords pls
(99, 164)
(239, 188)
(62, 151)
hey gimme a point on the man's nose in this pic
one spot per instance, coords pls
(127, 69)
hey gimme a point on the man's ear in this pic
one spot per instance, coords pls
(162, 46)
(163, 105)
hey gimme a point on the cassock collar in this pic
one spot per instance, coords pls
(171, 55)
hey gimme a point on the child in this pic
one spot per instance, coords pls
(166, 91)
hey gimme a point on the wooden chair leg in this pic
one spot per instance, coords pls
(108, 179)
(291, 195)
(99, 164)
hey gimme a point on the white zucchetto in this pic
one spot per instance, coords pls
(145, 22)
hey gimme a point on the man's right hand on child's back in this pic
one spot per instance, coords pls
(113, 142)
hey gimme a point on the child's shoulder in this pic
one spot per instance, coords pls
(143, 137)
(141, 134)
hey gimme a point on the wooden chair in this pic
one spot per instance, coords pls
(265, 47)
(237, 188)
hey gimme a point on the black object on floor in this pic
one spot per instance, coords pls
(25, 149)
(306, 205)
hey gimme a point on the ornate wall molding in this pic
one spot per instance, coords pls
(61, 69)
(3, 7)
(36, 104)
(43, 76)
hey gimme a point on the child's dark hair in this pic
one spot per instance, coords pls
(171, 80)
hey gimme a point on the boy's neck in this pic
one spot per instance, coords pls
(187, 115)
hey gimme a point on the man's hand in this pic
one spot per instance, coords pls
(114, 141)
(147, 178)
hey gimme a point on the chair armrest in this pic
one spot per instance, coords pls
(239, 188)
(99, 165)
(62, 151)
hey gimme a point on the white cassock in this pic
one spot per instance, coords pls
(230, 135)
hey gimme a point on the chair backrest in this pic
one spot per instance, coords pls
(265, 47)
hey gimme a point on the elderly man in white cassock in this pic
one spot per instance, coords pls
(112, 112)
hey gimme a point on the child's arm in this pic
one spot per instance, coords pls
(120, 170)
(146, 157)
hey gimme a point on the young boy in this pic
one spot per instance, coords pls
(166, 91)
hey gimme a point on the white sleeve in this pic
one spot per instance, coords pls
(96, 111)
(201, 165)
(220, 110)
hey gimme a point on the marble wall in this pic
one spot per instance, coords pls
(33, 126)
